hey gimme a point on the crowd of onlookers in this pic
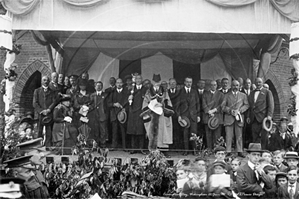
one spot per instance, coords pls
(262, 175)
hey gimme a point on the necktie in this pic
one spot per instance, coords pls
(188, 90)
(291, 192)
(173, 90)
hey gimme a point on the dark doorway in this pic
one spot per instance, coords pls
(276, 114)
(32, 83)
(183, 70)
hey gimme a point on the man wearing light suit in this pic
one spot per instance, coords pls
(234, 105)
(261, 106)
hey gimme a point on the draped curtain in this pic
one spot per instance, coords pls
(287, 8)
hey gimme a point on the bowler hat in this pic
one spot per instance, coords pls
(122, 116)
(254, 147)
(18, 162)
(281, 174)
(291, 155)
(219, 163)
(47, 120)
(31, 144)
(213, 123)
(267, 124)
(184, 122)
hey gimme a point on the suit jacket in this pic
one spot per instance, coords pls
(211, 101)
(201, 103)
(276, 142)
(263, 107)
(231, 102)
(189, 104)
(115, 97)
(43, 100)
(99, 105)
(284, 194)
(244, 91)
(247, 181)
(282, 167)
(174, 97)
(56, 87)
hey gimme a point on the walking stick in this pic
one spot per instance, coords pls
(63, 139)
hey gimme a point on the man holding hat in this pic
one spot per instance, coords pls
(116, 102)
(189, 106)
(261, 106)
(44, 101)
(157, 112)
(251, 179)
(234, 105)
(213, 115)
(281, 139)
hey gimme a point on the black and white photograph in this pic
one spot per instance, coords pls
(156, 99)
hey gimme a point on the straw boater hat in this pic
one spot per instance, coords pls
(254, 147)
(291, 155)
(267, 124)
(184, 122)
(122, 116)
(213, 123)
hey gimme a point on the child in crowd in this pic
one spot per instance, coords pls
(182, 177)
(235, 164)
(278, 161)
(200, 172)
(281, 179)
(267, 155)
(271, 172)
(291, 189)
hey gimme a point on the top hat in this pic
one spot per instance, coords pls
(291, 155)
(219, 148)
(219, 163)
(156, 78)
(31, 144)
(213, 123)
(254, 147)
(184, 122)
(122, 116)
(267, 124)
(18, 162)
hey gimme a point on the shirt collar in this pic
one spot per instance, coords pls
(251, 165)
(119, 89)
(99, 92)
(212, 91)
(44, 87)
(186, 88)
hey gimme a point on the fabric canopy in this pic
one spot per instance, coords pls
(218, 16)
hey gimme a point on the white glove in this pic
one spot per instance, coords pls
(68, 119)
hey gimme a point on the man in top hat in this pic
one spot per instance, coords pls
(44, 101)
(251, 179)
(234, 106)
(281, 139)
(212, 101)
(116, 102)
(189, 107)
(261, 106)
(135, 124)
(98, 115)
(159, 122)
(35, 183)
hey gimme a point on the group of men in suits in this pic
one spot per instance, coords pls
(239, 110)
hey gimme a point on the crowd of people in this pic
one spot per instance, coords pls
(262, 175)
(133, 114)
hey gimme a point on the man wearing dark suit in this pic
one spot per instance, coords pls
(44, 103)
(201, 125)
(117, 101)
(109, 91)
(189, 106)
(174, 97)
(98, 114)
(291, 189)
(261, 105)
(234, 105)
(281, 140)
(224, 89)
(212, 101)
(135, 124)
(247, 137)
(251, 179)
